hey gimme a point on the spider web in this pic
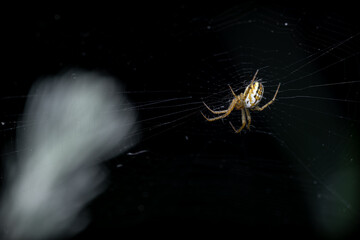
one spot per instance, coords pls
(299, 163)
(315, 119)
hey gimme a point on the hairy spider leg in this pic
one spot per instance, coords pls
(270, 102)
(248, 118)
(243, 120)
(227, 112)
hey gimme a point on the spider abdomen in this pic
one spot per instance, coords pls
(253, 94)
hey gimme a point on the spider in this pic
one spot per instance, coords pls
(245, 101)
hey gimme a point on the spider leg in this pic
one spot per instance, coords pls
(270, 102)
(232, 91)
(243, 119)
(215, 112)
(252, 81)
(227, 112)
(221, 111)
(248, 116)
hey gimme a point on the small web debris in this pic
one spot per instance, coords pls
(136, 153)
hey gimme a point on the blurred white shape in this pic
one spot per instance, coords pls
(74, 122)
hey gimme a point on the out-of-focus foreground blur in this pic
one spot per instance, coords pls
(73, 122)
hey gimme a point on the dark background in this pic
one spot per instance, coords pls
(188, 178)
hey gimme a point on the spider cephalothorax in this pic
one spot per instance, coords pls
(249, 99)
